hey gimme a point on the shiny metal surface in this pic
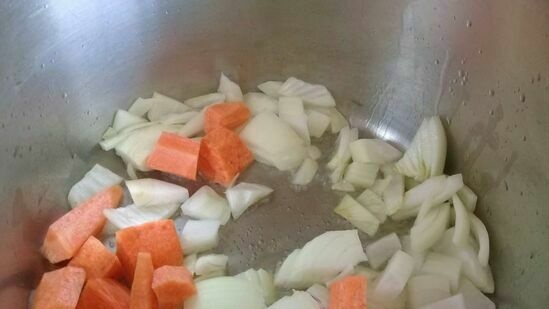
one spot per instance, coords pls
(66, 66)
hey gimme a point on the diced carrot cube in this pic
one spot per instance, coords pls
(172, 285)
(142, 295)
(103, 293)
(176, 155)
(226, 115)
(348, 293)
(59, 289)
(159, 238)
(223, 155)
(66, 235)
(97, 260)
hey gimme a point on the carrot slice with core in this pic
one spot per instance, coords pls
(97, 260)
(176, 155)
(172, 285)
(223, 155)
(142, 295)
(348, 293)
(226, 115)
(101, 293)
(66, 235)
(159, 238)
(59, 289)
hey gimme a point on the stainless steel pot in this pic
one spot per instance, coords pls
(66, 66)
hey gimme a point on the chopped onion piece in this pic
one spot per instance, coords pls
(373, 203)
(97, 179)
(149, 191)
(347, 271)
(419, 257)
(226, 293)
(343, 187)
(394, 193)
(133, 215)
(427, 289)
(199, 235)
(124, 119)
(367, 272)
(274, 142)
(410, 183)
(164, 105)
(207, 204)
(381, 184)
(473, 297)
(443, 265)
(305, 173)
(317, 95)
(392, 281)
(178, 118)
(140, 107)
(259, 102)
(438, 189)
(298, 300)
(262, 279)
(211, 264)
(190, 263)
(290, 110)
(468, 197)
(230, 89)
(205, 100)
(361, 174)
(137, 147)
(376, 301)
(481, 234)
(382, 250)
(357, 215)
(337, 120)
(481, 276)
(111, 138)
(342, 154)
(314, 152)
(462, 226)
(321, 259)
(427, 153)
(453, 302)
(244, 195)
(425, 233)
(337, 174)
(317, 123)
(321, 294)
(195, 125)
(373, 151)
(132, 173)
(271, 88)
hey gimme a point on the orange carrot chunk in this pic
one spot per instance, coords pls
(142, 295)
(159, 238)
(348, 293)
(59, 289)
(176, 155)
(223, 155)
(226, 115)
(172, 285)
(97, 260)
(102, 293)
(66, 235)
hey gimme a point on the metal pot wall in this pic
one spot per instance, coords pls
(66, 66)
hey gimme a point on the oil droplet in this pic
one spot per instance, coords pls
(524, 138)
(463, 60)
(480, 51)
(491, 112)
(42, 65)
(491, 92)
(461, 74)
(469, 24)
(522, 98)
(65, 95)
(539, 77)
(437, 61)
(463, 102)
(450, 89)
